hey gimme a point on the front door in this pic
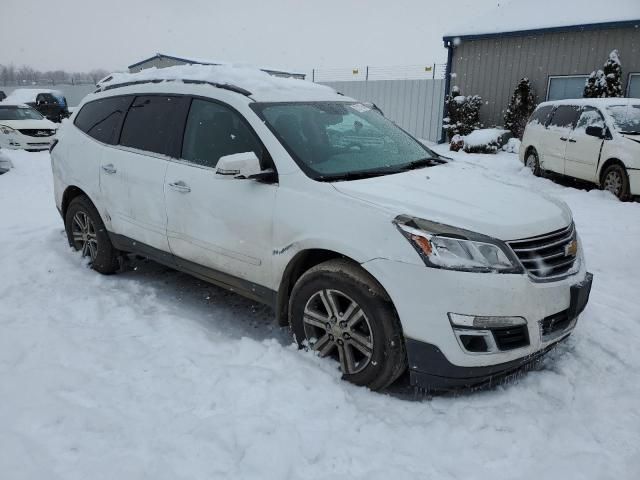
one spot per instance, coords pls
(555, 139)
(583, 151)
(215, 221)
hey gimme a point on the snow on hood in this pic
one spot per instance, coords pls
(463, 196)
(43, 124)
(259, 83)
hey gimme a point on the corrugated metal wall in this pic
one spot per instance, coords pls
(492, 67)
(415, 105)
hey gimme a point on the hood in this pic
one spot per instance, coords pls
(462, 196)
(43, 124)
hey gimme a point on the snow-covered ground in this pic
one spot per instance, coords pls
(153, 374)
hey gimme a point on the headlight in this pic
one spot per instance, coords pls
(451, 248)
(6, 130)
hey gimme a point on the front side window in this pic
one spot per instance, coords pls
(101, 119)
(626, 118)
(154, 123)
(590, 117)
(342, 141)
(214, 131)
(565, 116)
(19, 113)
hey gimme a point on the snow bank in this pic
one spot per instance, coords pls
(256, 81)
(153, 374)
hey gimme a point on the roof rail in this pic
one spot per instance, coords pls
(225, 86)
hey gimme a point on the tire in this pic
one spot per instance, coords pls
(532, 162)
(86, 233)
(337, 309)
(616, 181)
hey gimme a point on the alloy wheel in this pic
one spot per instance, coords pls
(84, 235)
(335, 325)
(613, 182)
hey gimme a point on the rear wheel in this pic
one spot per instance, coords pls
(86, 233)
(341, 313)
(532, 162)
(616, 181)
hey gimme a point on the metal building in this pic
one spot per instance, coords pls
(161, 60)
(557, 54)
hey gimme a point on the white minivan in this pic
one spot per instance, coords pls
(375, 250)
(595, 139)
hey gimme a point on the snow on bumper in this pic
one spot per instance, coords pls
(634, 182)
(19, 141)
(424, 297)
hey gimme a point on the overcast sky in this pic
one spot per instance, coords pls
(84, 34)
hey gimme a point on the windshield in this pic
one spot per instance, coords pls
(626, 118)
(19, 113)
(343, 141)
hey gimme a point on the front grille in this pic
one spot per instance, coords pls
(31, 132)
(548, 256)
(511, 338)
(554, 324)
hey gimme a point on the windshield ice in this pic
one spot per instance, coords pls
(19, 113)
(336, 140)
(626, 118)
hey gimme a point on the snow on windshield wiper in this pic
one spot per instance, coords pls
(631, 132)
(423, 162)
(352, 175)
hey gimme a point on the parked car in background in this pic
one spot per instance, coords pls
(294, 195)
(2, 95)
(22, 127)
(597, 140)
(50, 103)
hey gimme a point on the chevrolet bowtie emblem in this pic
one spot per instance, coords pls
(571, 249)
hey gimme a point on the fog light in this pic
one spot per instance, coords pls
(484, 322)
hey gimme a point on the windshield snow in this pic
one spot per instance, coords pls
(19, 113)
(626, 118)
(341, 141)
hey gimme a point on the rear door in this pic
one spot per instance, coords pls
(151, 135)
(583, 151)
(216, 221)
(556, 137)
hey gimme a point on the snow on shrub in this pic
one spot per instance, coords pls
(521, 106)
(463, 113)
(606, 82)
(512, 146)
(487, 140)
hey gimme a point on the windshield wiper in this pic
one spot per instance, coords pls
(631, 132)
(352, 175)
(423, 162)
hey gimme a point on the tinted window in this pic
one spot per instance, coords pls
(214, 131)
(541, 115)
(565, 116)
(102, 119)
(154, 123)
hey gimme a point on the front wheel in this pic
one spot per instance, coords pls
(339, 312)
(616, 181)
(86, 233)
(532, 162)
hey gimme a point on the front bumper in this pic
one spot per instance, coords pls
(423, 297)
(18, 141)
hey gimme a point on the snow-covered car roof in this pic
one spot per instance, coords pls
(27, 95)
(250, 81)
(595, 102)
(523, 15)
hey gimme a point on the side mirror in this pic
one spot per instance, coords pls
(594, 131)
(241, 166)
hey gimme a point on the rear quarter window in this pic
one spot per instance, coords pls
(102, 119)
(541, 115)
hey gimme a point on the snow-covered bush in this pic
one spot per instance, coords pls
(463, 113)
(521, 106)
(606, 82)
(512, 146)
(488, 140)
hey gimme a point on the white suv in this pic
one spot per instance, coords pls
(374, 249)
(596, 139)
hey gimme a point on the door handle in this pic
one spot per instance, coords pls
(571, 140)
(564, 139)
(110, 169)
(180, 186)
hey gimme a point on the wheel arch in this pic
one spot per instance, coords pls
(300, 263)
(606, 164)
(69, 194)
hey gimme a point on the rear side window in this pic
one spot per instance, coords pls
(214, 131)
(565, 116)
(102, 119)
(541, 115)
(154, 124)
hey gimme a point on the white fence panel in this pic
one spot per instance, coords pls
(415, 105)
